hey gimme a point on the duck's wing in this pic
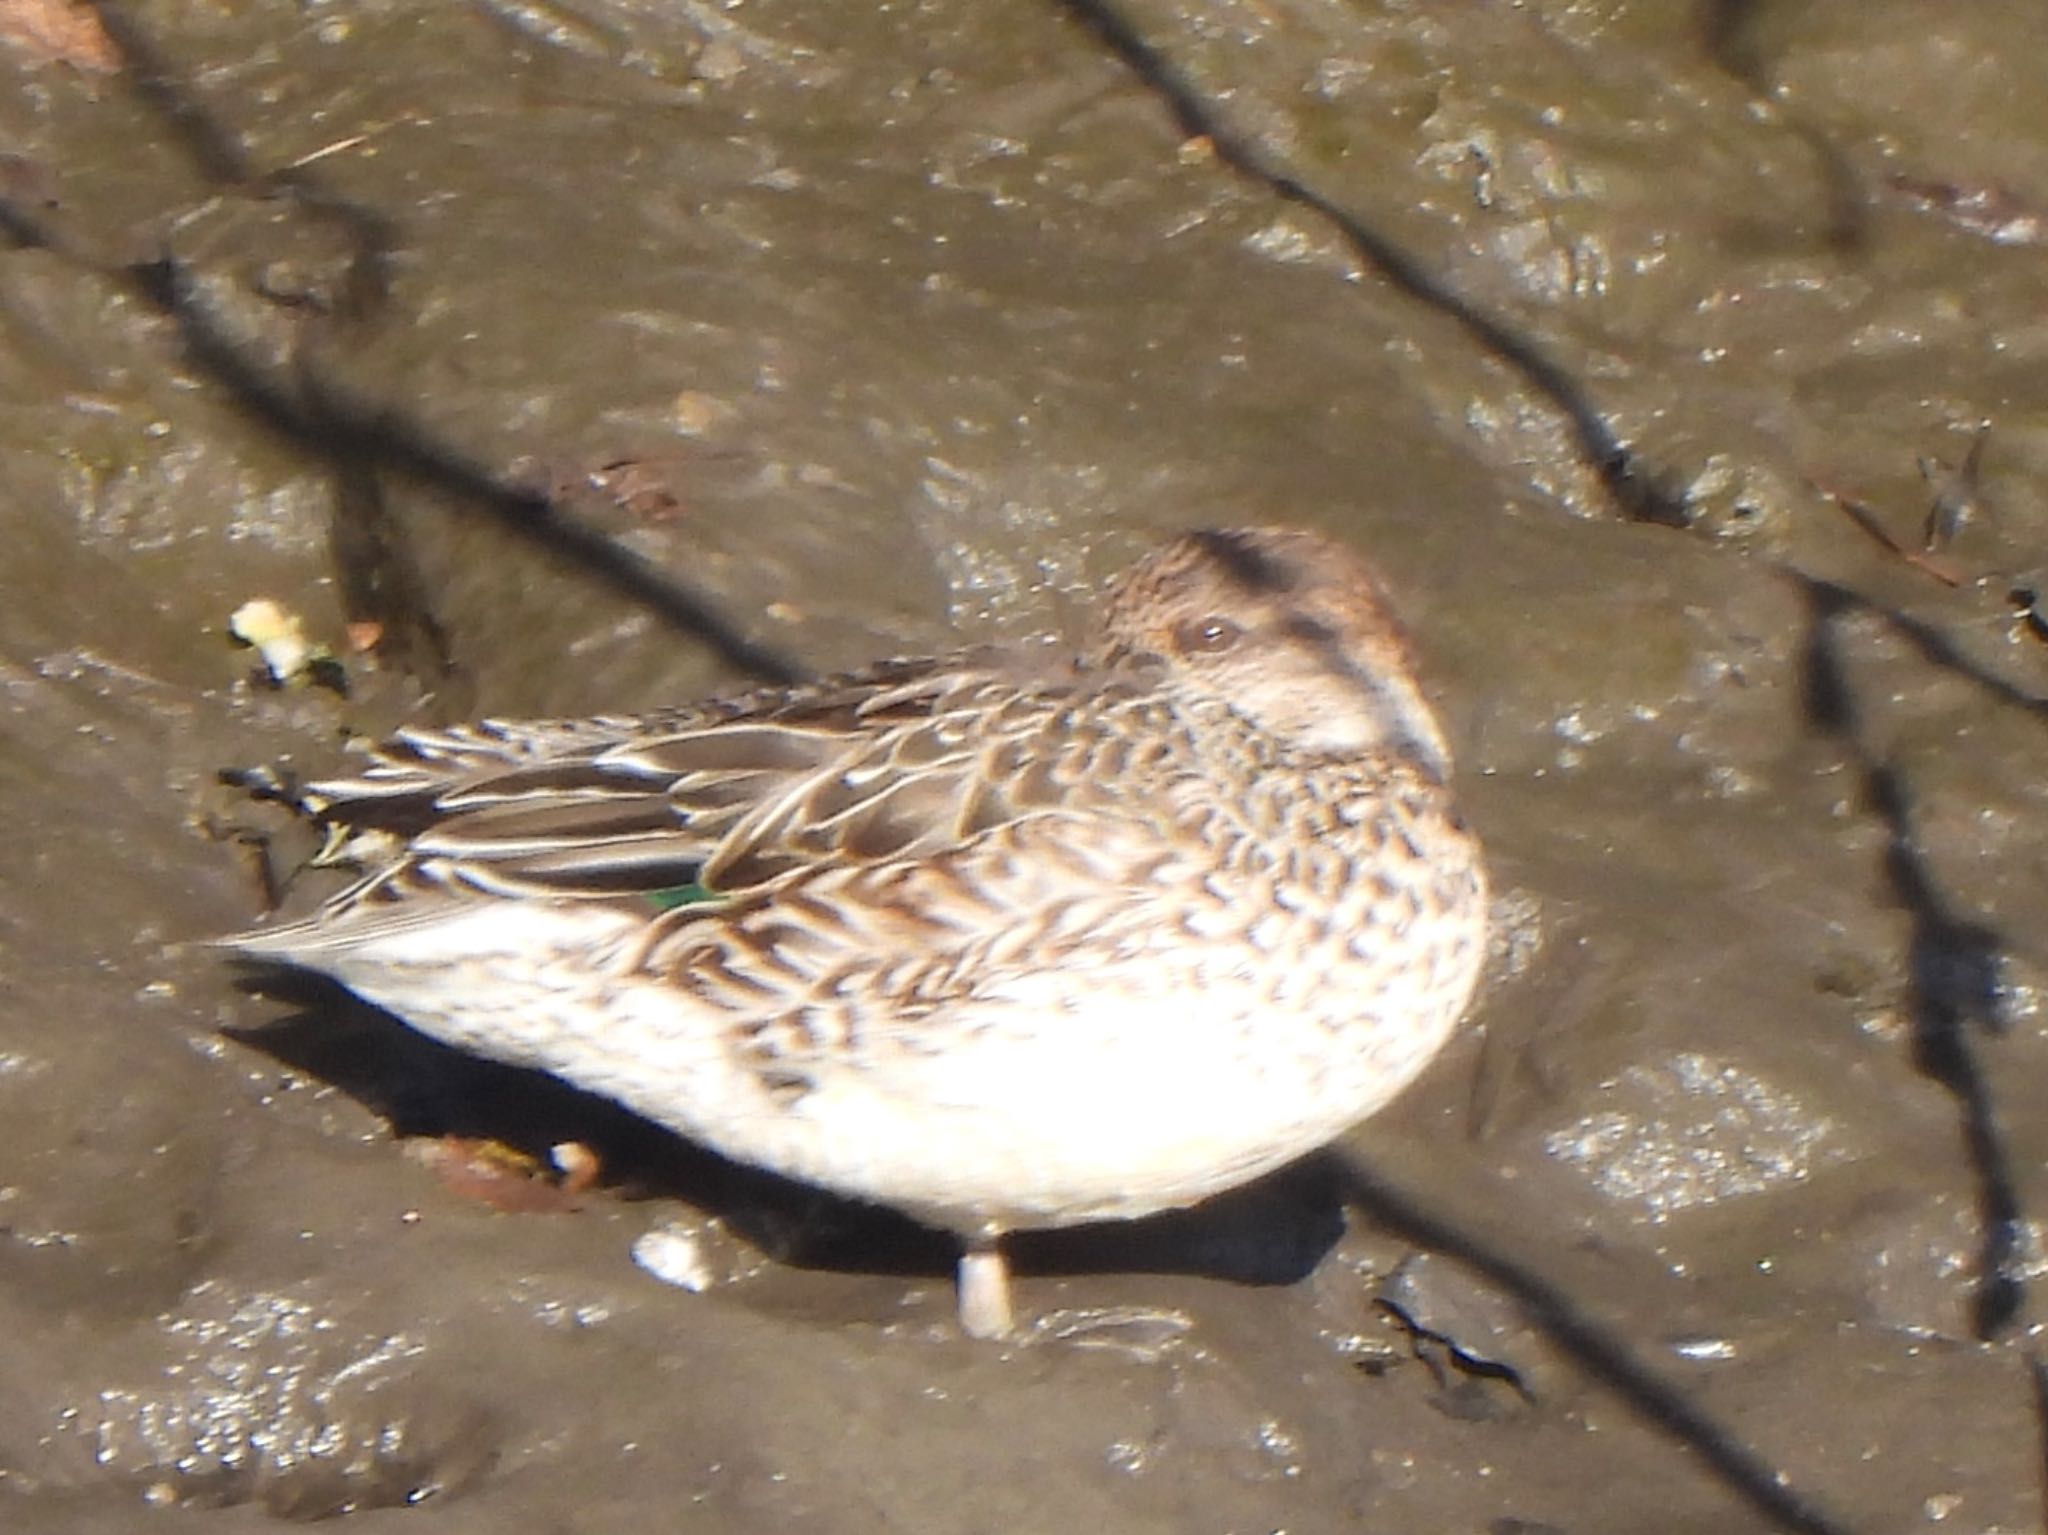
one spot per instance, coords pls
(844, 861)
(699, 807)
(402, 785)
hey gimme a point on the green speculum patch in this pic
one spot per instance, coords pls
(692, 894)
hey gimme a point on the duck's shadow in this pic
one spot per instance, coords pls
(1273, 1232)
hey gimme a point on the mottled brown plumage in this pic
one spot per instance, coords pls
(1000, 941)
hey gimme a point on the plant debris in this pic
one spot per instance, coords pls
(278, 635)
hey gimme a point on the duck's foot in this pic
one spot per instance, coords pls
(984, 1284)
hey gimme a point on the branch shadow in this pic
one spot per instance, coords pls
(1727, 30)
(361, 444)
(1954, 966)
(1635, 491)
(1595, 1349)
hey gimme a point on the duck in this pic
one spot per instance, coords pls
(1001, 939)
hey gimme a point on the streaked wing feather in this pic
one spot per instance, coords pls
(904, 763)
(418, 765)
(842, 958)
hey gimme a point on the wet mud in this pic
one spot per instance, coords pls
(1679, 366)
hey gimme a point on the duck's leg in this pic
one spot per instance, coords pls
(984, 1284)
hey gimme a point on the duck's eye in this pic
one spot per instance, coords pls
(1205, 636)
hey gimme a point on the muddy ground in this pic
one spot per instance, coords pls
(1681, 365)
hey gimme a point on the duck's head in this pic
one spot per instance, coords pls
(1290, 629)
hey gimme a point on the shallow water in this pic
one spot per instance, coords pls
(881, 331)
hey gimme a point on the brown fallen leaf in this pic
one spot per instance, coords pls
(642, 487)
(1986, 209)
(59, 32)
(508, 1179)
